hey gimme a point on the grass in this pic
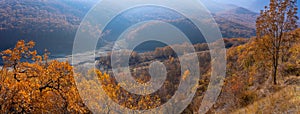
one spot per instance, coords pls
(286, 100)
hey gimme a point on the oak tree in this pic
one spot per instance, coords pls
(273, 27)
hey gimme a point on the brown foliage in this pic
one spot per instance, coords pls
(273, 27)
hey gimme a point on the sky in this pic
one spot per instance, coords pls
(254, 5)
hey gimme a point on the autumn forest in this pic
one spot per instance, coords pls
(262, 73)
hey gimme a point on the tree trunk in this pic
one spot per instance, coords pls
(274, 75)
(275, 67)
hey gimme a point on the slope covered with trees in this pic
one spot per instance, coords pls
(31, 83)
(53, 23)
(261, 73)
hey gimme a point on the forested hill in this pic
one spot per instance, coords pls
(53, 23)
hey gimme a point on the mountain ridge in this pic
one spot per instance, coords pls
(53, 24)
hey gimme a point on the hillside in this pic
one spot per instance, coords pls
(286, 100)
(262, 72)
(48, 22)
(248, 86)
(240, 16)
(41, 15)
(53, 23)
(51, 84)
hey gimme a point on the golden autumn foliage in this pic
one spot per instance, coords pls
(248, 79)
(113, 91)
(30, 83)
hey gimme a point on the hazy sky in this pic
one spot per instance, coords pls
(254, 5)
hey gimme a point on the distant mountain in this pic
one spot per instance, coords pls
(233, 20)
(53, 23)
(232, 29)
(214, 6)
(253, 5)
(239, 15)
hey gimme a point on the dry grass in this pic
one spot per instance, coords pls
(286, 100)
